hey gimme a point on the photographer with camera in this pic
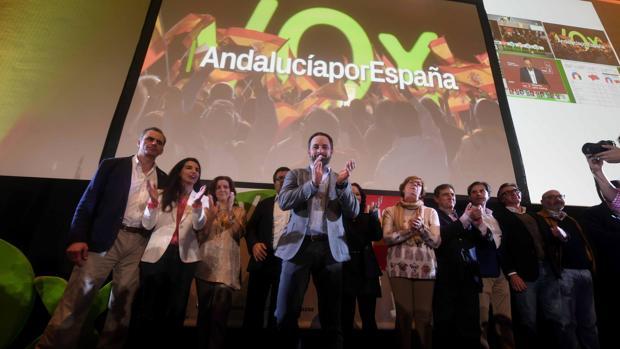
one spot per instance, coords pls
(609, 152)
(597, 153)
(602, 226)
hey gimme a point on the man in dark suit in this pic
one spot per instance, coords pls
(106, 235)
(456, 307)
(262, 233)
(313, 243)
(530, 74)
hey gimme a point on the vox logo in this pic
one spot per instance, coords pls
(411, 58)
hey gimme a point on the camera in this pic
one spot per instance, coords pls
(595, 148)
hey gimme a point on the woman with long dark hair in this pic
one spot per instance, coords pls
(169, 260)
(219, 272)
(361, 274)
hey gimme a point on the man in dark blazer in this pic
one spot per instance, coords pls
(456, 307)
(262, 232)
(106, 235)
(531, 75)
(314, 243)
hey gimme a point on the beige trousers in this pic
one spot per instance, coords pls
(496, 293)
(414, 303)
(123, 258)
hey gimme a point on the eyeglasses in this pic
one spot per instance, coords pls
(558, 196)
(280, 178)
(510, 192)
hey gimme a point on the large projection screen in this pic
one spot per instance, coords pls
(62, 66)
(576, 98)
(405, 88)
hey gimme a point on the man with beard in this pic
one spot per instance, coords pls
(313, 242)
(570, 251)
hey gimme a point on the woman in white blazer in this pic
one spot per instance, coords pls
(169, 261)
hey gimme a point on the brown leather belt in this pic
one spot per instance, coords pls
(134, 229)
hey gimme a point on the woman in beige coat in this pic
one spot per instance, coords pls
(411, 231)
(219, 272)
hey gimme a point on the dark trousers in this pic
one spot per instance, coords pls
(366, 304)
(262, 284)
(541, 300)
(163, 293)
(456, 315)
(214, 303)
(314, 258)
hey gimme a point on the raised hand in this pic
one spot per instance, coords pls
(344, 174)
(416, 224)
(595, 163)
(231, 201)
(213, 208)
(153, 193)
(198, 198)
(612, 154)
(475, 213)
(317, 175)
(468, 209)
(372, 207)
(468, 214)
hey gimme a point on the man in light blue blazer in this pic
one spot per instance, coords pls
(314, 240)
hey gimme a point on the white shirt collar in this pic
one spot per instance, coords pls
(138, 166)
(325, 173)
(518, 210)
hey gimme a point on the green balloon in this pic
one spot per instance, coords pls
(16, 292)
(50, 290)
(247, 197)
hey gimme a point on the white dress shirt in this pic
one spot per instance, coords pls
(490, 223)
(138, 193)
(280, 219)
(532, 76)
(316, 221)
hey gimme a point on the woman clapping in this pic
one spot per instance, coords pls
(171, 255)
(218, 273)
